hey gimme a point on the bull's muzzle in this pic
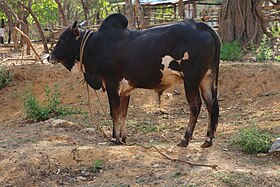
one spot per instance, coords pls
(51, 59)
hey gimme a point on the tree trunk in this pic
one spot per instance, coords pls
(29, 10)
(25, 30)
(129, 14)
(2, 26)
(181, 9)
(86, 10)
(140, 11)
(242, 20)
(10, 15)
(61, 11)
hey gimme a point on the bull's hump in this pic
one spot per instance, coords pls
(114, 21)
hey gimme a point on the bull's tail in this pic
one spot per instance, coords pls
(216, 64)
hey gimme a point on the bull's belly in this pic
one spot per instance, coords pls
(170, 75)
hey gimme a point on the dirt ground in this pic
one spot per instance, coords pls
(65, 154)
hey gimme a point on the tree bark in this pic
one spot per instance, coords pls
(140, 11)
(25, 30)
(86, 10)
(242, 20)
(10, 15)
(129, 14)
(62, 13)
(29, 10)
(181, 9)
(2, 26)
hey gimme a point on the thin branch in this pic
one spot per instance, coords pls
(29, 43)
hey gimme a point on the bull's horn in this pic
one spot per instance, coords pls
(83, 23)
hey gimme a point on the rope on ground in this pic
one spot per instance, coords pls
(102, 133)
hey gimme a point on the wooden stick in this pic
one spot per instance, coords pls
(29, 43)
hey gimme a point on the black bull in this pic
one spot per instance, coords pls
(120, 60)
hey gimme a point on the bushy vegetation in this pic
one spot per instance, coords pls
(6, 77)
(231, 51)
(252, 140)
(97, 166)
(264, 51)
(37, 111)
(275, 29)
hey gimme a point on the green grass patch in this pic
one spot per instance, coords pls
(231, 51)
(37, 111)
(252, 140)
(6, 76)
(275, 29)
(234, 179)
(146, 128)
(97, 166)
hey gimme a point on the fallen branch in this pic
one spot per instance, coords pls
(29, 43)
(6, 59)
(270, 93)
(214, 166)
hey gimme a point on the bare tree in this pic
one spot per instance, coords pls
(86, 10)
(62, 13)
(242, 20)
(13, 21)
(140, 11)
(29, 10)
(181, 9)
(129, 14)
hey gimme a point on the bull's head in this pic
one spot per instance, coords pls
(67, 47)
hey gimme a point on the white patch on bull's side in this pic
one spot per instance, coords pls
(186, 56)
(125, 88)
(170, 77)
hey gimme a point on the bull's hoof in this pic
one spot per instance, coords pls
(183, 143)
(123, 140)
(206, 144)
(117, 142)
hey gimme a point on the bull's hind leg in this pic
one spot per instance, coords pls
(209, 95)
(193, 97)
(123, 113)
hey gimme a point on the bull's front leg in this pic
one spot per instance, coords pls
(124, 102)
(114, 102)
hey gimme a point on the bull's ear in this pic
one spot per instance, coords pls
(74, 25)
(76, 29)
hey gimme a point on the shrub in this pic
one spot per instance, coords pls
(264, 51)
(252, 140)
(6, 77)
(38, 112)
(97, 166)
(33, 109)
(231, 51)
(275, 29)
